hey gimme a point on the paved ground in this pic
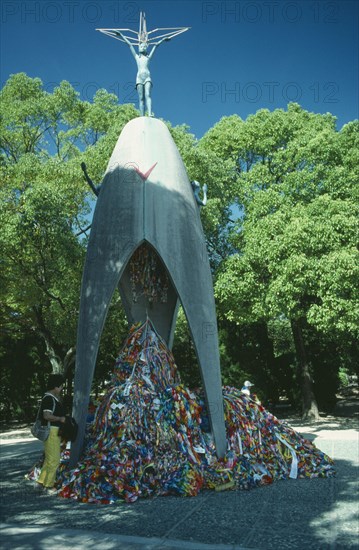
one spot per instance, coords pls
(316, 514)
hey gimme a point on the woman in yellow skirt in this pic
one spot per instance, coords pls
(53, 412)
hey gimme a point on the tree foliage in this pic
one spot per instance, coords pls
(296, 237)
(280, 223)
(44, 207)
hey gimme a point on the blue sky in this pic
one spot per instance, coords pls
(238, 57)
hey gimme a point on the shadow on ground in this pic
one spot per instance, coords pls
(304, 513)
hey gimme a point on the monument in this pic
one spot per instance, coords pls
(147, 240)
(150, 435)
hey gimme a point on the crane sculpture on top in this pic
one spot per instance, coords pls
(143, 39)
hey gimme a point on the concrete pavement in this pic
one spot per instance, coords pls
(293, 514)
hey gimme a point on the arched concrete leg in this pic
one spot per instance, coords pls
(204, 335)
(111, 244)
(93, 311)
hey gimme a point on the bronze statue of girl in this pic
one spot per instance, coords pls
(144, 39)
(143, 78)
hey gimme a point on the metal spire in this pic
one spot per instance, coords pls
(152, 38)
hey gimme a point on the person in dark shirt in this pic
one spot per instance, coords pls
(53, 412)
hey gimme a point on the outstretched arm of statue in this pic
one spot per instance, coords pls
(95, 189)
(204, 200)
(196, 189)
(125, 39)
(156, 46)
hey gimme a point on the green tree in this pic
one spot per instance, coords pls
(45, 203)
(296, 233)
(218, 173)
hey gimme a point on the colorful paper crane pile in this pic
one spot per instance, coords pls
(150, 436)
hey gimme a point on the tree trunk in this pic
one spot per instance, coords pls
(69, 359)
(269, 362)
(309, 403)
(55, 361)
